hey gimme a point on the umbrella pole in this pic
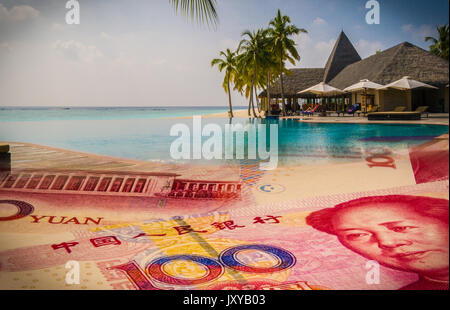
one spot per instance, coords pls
(365, 100)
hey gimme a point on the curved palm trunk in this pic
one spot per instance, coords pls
(258, 102)
(250, 103)
(251, 106)
(282, 83)
(268, 93)
(229, 99)
(252, 89)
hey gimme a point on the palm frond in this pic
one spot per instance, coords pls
(433, 40)
(203, 11)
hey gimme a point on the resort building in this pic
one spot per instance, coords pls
(345, 68)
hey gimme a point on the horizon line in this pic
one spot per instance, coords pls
(187, 106)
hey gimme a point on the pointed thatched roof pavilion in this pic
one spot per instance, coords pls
(343, 55)
(345, 67)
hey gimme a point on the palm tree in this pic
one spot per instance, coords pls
(266, 73)
(270, 70)
(200, 10)
(243, 78)
(440, 46)
(227, 63)
(281, 30)
(254, 54)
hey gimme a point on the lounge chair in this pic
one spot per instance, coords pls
(400, 109)
(310, 111)
(298, 113)
(423, 110)
(371, 110)
(399, 114)
(340, 112)
(354, 109)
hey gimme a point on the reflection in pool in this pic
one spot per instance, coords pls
(149, 139)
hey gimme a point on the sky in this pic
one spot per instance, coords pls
(141, 53)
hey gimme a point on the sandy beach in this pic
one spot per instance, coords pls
(237, 114)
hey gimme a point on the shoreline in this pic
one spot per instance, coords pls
(237, 114)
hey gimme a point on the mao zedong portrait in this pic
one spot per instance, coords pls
(408, 233)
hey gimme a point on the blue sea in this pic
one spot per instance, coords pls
(33, 114)
(144, 133)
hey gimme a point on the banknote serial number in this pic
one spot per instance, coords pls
(227, 301)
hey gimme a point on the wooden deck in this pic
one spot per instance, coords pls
(40, 157)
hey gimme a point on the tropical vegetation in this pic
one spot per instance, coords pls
(260, 60)
(227, 63)
(281, 30)
(440, 45)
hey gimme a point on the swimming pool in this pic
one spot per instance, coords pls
(149, 139)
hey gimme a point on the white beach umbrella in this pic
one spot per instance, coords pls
(363, 85)
(406, 83)
(322, 89)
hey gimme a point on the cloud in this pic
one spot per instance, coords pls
(426, 31)
(407, 27)
(18, 13)
(419, 32)
(77, 51)
(313, 54)
(159, 62)
(4, 48)
(58, 27)
(319, 21)
(366, 48)
(106, 36)
(228, 43)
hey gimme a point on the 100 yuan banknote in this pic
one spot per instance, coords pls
(396, 240)
(49, 201)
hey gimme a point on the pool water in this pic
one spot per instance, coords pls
(149, 138)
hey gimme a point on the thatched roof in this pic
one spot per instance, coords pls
(343, 55)
(392, 64)
(345, 67)
(298, 80)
